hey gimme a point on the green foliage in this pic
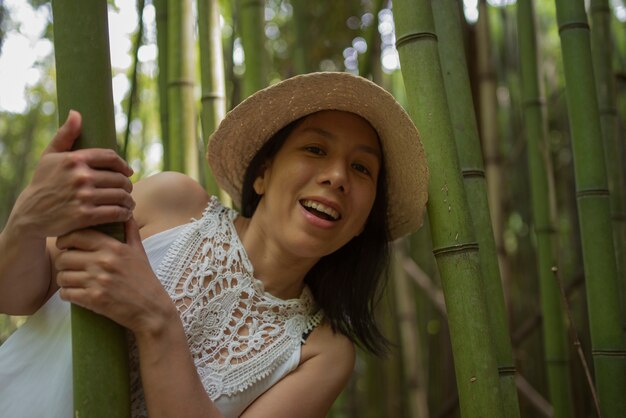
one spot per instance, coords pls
(330, 28)
(8, 324)
(3, 16)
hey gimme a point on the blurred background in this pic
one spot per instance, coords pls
(358, 36)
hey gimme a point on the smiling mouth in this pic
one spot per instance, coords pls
(320, 210)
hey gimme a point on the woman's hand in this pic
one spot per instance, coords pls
(74, 190)
(113, 279)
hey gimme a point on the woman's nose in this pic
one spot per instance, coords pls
(335, 175)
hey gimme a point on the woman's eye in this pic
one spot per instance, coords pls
(314, 150)
(361, 168)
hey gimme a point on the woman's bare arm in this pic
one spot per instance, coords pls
(310, 390)
(307, 392)
(115, 280)
(121, 285)
(69, 190)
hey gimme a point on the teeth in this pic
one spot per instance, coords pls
(322, 208)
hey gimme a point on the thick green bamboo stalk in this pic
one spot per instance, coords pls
(594, 211)
(463, 117)
(212, 76)
(160, 7)
(83, 70)
(619, 75)
(180, 88)
(602, 51)
(454, 243)
(555, 346)
(252, 29)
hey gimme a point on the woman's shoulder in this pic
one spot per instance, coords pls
(327, 347)
(167, 199)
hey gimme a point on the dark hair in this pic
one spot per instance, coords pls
(346, 284)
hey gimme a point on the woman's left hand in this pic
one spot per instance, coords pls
(113, 279)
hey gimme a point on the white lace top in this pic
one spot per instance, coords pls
(238, 334)
(242, 339)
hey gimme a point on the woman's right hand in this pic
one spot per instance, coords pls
(74, 189)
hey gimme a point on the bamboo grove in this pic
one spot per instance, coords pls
(511, 300)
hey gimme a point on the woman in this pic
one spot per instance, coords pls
(248, 315)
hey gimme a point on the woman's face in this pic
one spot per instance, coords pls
(318, 190)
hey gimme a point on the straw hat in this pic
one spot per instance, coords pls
(248, 126)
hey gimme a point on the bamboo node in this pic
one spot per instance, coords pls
(212, 96)
(180, 82)
(549, 229)
(609, 353)
(415, 37)
(592, 193)
(533, 102)
(472, 172)
(507, 371)
(573, 25)
(455, 249)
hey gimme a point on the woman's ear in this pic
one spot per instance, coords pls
(259, 181)
(259, 185)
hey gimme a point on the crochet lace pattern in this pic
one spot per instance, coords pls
(237, 333)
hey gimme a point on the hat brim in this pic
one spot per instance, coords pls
(248, 126)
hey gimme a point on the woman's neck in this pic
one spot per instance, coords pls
(281, 272)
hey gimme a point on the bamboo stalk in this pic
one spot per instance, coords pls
(534, 398)
(414, 378)
(180, 89)
(213, 81)
(463, 118)
(602, 52)
(607, 337)
(435, 297)
(393, 390)
(370, 62)
(301, 60)
(421, 279)
(252, 28)
(455, 246)
(556, 351)
(619, 75)
(83, 68)
(488, 105)
(160, 7)
(132, 95)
